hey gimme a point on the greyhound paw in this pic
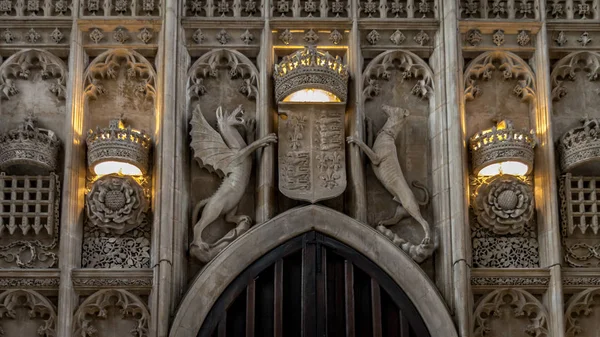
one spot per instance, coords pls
(351, 140)
(426, 242)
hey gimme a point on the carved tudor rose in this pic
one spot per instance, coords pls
(505, 205)
(311, 88)
(116, 203)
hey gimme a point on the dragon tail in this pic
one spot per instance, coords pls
(418, 253)
(425, 191)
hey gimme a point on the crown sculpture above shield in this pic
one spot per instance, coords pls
(311, 88)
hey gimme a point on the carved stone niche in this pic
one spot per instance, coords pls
(111, 312)
(582, 314)
(225, 79)
(510, 312)
(33, 81)
(401, 79)
(26, 313)
(575, 84)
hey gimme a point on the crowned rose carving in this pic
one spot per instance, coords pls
(504, 205)
(116, 204)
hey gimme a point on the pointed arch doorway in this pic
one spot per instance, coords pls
(209, 291)
(313, 285)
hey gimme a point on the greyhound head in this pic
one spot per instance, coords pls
(396, 117)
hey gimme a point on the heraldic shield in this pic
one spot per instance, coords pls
(312, 159)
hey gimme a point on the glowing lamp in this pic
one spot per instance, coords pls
(502, 150)
(117, 149)
(312, 95)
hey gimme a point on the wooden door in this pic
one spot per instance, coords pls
(313, 286)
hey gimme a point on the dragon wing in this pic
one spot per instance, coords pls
(210, 149)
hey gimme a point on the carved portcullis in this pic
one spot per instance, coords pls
(311, 88)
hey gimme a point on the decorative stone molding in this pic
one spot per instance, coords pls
(485, 280)
(505, 252)
(408, 65)
(29, 148)
(120, 8)
(579, 148)
(96, 308)
(522, 303)
(90, 280)
(224, 8)
(23, 65)
(310, 69)
(140, 75)
(116, 204)
(504, 205)
(579, 308)
(40, 279)
(395, 9)
(29, 229)
(39, 308)
(58, 9)
(208, 65)
(568, 67)
(512, 68)
(577, 279)
(499, 9)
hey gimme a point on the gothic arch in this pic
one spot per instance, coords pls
(409, 63)
(566, 69)
(225, 267)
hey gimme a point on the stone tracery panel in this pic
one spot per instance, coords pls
(111, 312)
(26, 313)
(514, 309)
(581, 314)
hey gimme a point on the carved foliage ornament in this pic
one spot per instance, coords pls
(522, 303)
(566, 69)
(97, 306)
(23, 64)
(504, 205)
(512, 68)
(116, 203)
(38, 308)
(207, 67)
(408, 65)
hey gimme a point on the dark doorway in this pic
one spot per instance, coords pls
(313, 286)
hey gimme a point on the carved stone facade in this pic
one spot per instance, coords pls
(367, 121)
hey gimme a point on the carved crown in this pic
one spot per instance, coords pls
(502, 143)
(580, 145)
(29, 147)
(118, 144)
(308, 69)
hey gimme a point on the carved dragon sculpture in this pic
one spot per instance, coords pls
(385, 164)
(228, 155)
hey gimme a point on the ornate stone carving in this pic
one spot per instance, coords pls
(385, 164)
(145, 35)
(247, 37)
(223, 37)
(227, 154)
(421, 38)
(397, 37)
(522, 303)
(117, 143)
(120, 35)
(335, 37)
(373, 37)
(97, 306)
(470, 8)
(474, 37)
(311, 37)
(8, 36)
(32, 36)
(25, 65)
(207, 67)
(397, 8)
(561, 39)
(579, 147)
(523, 38)
(512, 67)
(409, 66)
(310, 69)
(198, 36)
(567, 68)
(286, 37)
(96, 35)
(505, 252)
(28, 282)
(584, 39)
(29, 148)
(56, 36)
(95, 282)
(116, 204)
(581, 308)
(498, 37)
(497, 281)
(556, 10)
(38, 307)
(504, 205)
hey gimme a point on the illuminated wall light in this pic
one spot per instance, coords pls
(312, 95)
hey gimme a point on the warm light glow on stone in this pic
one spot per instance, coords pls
(507, 167)
(109, 167)
(312, 95)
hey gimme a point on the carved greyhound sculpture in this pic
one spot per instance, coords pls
(228, 155)
(385, 164)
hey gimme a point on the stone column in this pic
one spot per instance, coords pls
(71, 225)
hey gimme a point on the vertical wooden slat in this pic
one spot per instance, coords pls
(309, 291)
(278, 300)
(349, 289)
(222, 327)
(376, 308)
(250, 308)
(321, 286)
(404, 331)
